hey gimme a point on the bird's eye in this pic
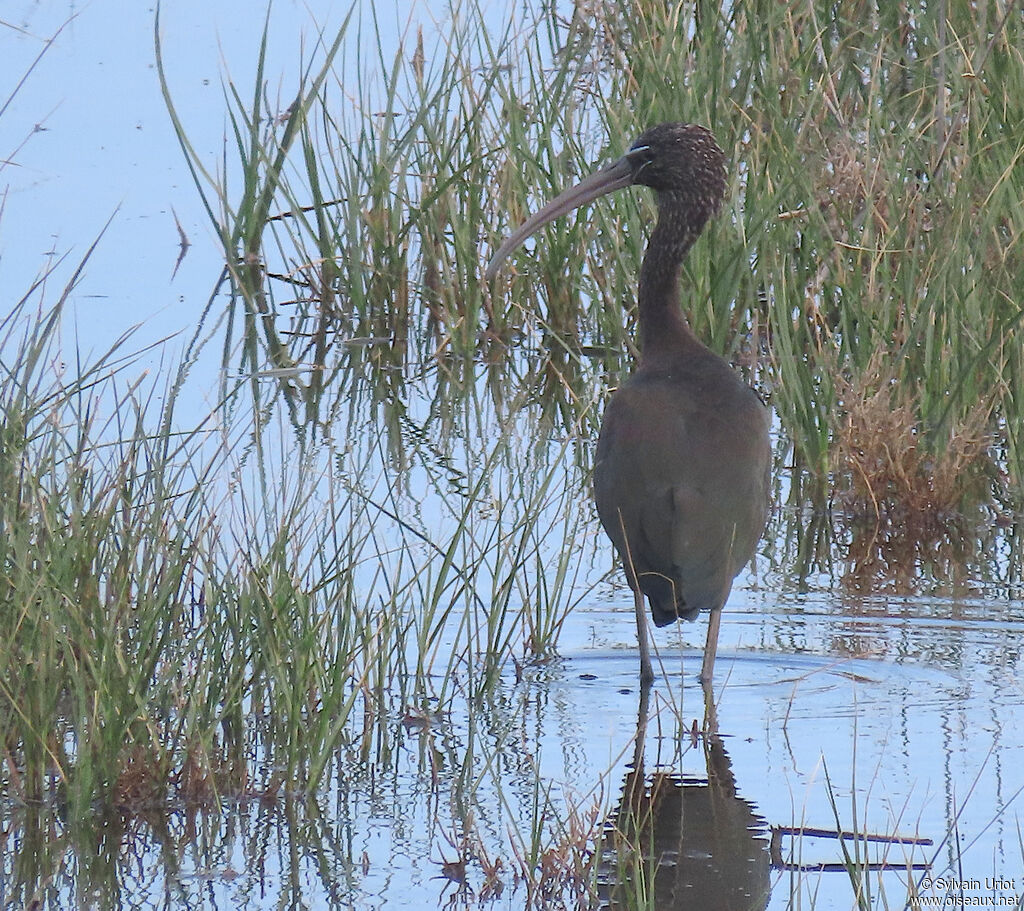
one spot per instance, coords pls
(640, 156)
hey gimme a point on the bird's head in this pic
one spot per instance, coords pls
(681, 162)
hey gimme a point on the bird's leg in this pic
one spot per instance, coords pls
(710, 648)
(710, 713)
(633, 793)
(646, 671)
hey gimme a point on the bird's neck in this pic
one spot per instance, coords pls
(664, 332)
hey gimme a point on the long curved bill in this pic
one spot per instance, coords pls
(614, 177)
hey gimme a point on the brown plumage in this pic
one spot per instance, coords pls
(681, 474)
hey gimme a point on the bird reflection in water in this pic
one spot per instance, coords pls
(677, 843)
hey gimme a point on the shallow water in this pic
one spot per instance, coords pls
(831, 713)
(913, 713)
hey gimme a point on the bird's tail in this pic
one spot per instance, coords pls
(666, 599)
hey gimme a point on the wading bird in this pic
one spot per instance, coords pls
(681, 471)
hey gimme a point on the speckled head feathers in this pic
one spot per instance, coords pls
(681, 160)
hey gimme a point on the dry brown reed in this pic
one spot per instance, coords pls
(905, 503)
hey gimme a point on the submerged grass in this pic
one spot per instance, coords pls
(875, 194)
(190, 623)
